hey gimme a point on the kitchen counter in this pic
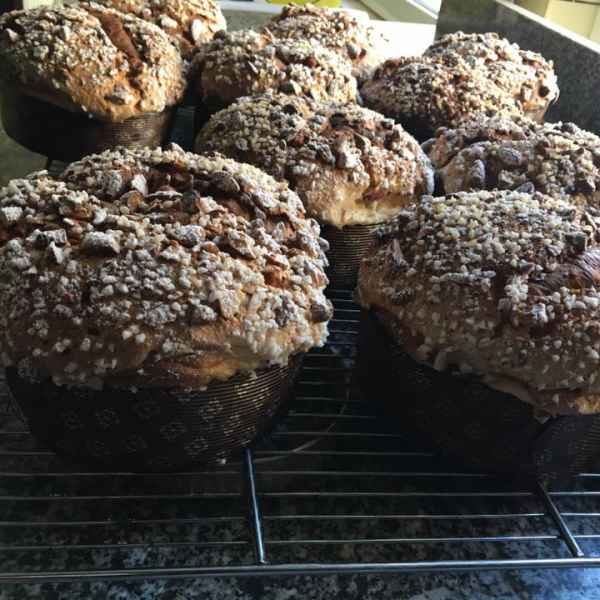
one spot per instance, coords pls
(537, 585)
(533, 585)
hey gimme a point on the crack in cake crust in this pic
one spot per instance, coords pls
(190, 23)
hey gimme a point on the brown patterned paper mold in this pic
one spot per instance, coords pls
(347, 247)
(352, 168)
(465, 420)
(484, 320)
(156, 278)
(137, 428)
(67, 136)
(84, 79)
(246, 63)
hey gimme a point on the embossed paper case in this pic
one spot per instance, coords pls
(464, 419)
(154, 429)
(63, 135)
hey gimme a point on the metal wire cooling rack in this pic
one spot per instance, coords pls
(335, 488)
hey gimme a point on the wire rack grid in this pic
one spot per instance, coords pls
(335, 488)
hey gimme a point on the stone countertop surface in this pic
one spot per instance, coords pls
(536, 585)
(575, 584)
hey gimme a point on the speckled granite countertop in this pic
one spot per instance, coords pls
(536, 585)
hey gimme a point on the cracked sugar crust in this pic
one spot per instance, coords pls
(525, 74)
(487, 153)
(338, 31)
(425, 93)
(91, 59)
(190, 23)
(503, 285)
(157, 267)
(348, 164)
(246, 63)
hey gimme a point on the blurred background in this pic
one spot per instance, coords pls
(581, 17)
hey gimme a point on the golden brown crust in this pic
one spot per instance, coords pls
(190, 23)
(91, 59)
(348, 164)
(526, 75)
(551, 158)
(426, 93)
(154, 267)
(245, 63)
(500, 284)
(338, 31)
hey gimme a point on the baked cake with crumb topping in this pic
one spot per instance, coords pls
(425, 93)
(502, 285)
(339, 31)
(558, 159)
(245, 63)
(348, 164)
(526, 75)
(157, 266)
(90, 59)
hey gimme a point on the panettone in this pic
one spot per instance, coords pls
(425, 93)
(526, 75)
(92, 60)
(348, 164)
(157, 268)
(502, 285)
(558, 159)
(339, 31)
(244, 63)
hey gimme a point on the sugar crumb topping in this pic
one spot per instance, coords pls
(338, 31)
(91, 59)
(485, 153)
(506, 282)
(436, 91)
(243, 63)
(299, 140)
(153, 259)
(189, 22)
(526, 74)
